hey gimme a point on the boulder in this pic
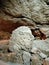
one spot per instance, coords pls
(21, 39)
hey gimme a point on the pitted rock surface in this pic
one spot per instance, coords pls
(21, 39)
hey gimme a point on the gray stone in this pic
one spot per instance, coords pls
(41, 44)
(38, 51)
(26, 58)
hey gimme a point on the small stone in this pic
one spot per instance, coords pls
(26, 58)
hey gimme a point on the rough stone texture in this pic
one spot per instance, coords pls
(26, 58)
(21, 39)
(36, 60)
(45, 30)
(25, 49)
(37, 10)
(41, 45)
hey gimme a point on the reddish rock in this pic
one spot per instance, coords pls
(5, 42)
(9, 25)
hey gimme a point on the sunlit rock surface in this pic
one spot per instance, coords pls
(21, 39)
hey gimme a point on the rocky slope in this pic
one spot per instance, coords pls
(24, 32)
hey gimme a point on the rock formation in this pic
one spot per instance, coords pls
(21, 39)
(36, 10)
(26, 23)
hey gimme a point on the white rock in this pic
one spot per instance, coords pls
(34, 50)
(43, 55)
(41, 44)
(38, 51)
(26, 58)
(21, 39)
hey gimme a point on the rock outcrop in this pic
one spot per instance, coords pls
(29, 44)
(36, 10)
(21, 39)
(24, 49)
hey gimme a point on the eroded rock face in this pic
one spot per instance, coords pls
(42, 45)
(21, 39)
(25, 49)
(37, 10)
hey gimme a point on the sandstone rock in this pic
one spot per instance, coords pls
(21, 39)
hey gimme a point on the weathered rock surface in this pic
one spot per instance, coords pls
(38, 10)
(36, 60)
(21, 39)
(24, 49)
(26, 58)
(45, 30)
(21, 43)
(42, 45)
(11, 24)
